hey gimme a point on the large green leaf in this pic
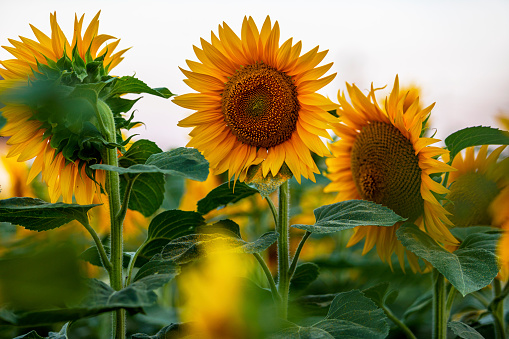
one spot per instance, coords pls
(471, 267)
(349, 214)
(381, 294)
(100, 299)
(304, 275)
(224, 194)
(184, 162)
(464, 331)
(224, 237)
(475, 136)
(165, 227)
(351, 315)
(39, 215)
(155, 274)
(129, 84)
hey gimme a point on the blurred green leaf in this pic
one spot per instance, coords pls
(3, 121)
(91, 255)
(165, 227)
(349, 214)
(351, 315)
(129, 84)
(224, 194)
(464, 331)
(155, 274)
(39, 215)
(51, 335)
(423, 302)
(471, 267)
(304, 275)
(170, 331)
(381, 294)
(475, 136)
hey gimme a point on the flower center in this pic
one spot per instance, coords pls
(260, 105)
(386, 170)
(471, 194)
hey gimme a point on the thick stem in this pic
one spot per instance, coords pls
(398, 323)
(105, 116)
(439, 306)
(100, 248)
(295, 259)
(497, 310)
(270, 278)
(283, 248)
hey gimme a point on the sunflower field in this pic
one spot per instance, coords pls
(288, 214)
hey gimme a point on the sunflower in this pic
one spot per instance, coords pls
(256, 102)
(479, 194)
(29, 134)
(382, 157)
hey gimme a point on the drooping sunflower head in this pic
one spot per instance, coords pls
(50, 91)
(381, 156)
(256, 102)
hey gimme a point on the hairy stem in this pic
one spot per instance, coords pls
(439, 306)
(100, 248)
(295, 259)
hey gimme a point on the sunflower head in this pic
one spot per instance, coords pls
(381, 156)
(256, 102)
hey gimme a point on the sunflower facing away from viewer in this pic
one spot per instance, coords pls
(51, 137)
(382, 157)
(256, 102)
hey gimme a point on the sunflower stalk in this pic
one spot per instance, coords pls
(497, 308)
(107, 125)
(283, 248)
(439, 306)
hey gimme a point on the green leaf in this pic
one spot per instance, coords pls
(51, 335)
(420, 304)
(3, 121)
(170, 331)
(184, 162)
(351, 315)
(91, 255)
(224, 194)
(129, 84)
(138, 153)
(471, 267)
(475, 136)
(165, 227)
(304, 275)
(381, 294)
(349, 214)
(39, 215)
(30, 335)
(100, 299)
(155, 274)
(464, 331)
(191, 247)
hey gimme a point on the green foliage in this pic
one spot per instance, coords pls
(170, 331)
(381, 294)
(51, 335)
(224, 194)
(3, 121)
(100, 298)
(304, 275)
(184, 162)
(155, 274)
(471, 267)
(464, 331)
(165, 227)
(223, 237)
(91, 255)
(349, 214)
(475, 136)
(129, 84)
(39, 215)
(351, 315)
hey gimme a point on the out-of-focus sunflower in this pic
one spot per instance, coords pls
(479, 194)
(35, 134)
(382, 157)
(256, 102)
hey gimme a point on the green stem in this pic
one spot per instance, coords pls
(283, 248)
(295, 259)
(270, 278)
(497, 309)
(272, 209)
(450, 300)
(107, 124)
(102, 253)
(439, 306)
(398, 322)
(127, 195)
(131, 264)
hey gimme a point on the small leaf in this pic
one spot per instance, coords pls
(471, 267)
(39, 215)
(91, 255)
(464, 331)
(349, 214)
(381, 294)
(475, 136)
(165, 227)
(304, 275)
(224, 194)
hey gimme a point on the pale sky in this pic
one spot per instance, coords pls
(457, 52)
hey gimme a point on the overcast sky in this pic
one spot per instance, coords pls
(456, 51)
